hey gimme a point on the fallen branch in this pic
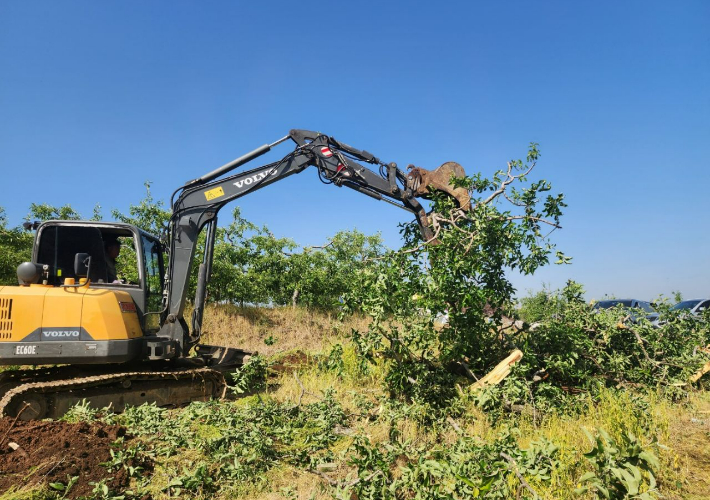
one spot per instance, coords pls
(512, 462)
(52, 469)
(502, 370)
(303, 392)
(469, 373)
(643, 349)
(16, 447)
(697, 375)
(330, 481)
(453, 423)
(352, 483)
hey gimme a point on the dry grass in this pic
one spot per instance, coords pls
(688, 440)
(292, 329)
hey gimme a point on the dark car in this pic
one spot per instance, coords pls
(651, 314)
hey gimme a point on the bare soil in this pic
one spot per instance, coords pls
(291, 362)
(52, 452)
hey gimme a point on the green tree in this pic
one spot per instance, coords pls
(149, 215)
(461, 273)
(15, 248)
(249, 263)
(320, 276)
(539, 306)
(43, 212)
(16, 243)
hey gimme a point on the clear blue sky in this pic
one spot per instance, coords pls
(98, 97)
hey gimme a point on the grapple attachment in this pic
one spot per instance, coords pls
(422, 182)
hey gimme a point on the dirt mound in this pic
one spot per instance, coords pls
(51, 451)
(290, 362)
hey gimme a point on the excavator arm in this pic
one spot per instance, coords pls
(199, 201)
(52, 323)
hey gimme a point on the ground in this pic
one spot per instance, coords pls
(289, 442)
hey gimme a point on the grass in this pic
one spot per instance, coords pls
(682, 430)
(295, 340)
(271, 331)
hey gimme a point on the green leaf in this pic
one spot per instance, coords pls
(603, 490)
(465, 480)
(650, 459)
(587, 476)
(632, 484)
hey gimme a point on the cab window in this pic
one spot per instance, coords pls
(113, 256)
(153, 264)
(125, 264)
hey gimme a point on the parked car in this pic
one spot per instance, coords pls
(693, 306)
(651, 315)
(627, 303)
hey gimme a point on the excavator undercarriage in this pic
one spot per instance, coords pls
(50, 392)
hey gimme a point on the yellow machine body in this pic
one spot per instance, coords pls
(42, 324)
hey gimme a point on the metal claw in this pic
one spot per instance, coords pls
(422, 181)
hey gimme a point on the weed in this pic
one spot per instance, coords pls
(102, 491)
(622, 469)
(80, 412)
(64, 488)
(250, 377)
(333, 361)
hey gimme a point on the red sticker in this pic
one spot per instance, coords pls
(127, 307)
(326, 152)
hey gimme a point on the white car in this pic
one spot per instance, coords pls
(695, 306)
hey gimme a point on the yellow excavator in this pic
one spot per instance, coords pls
(124, 342)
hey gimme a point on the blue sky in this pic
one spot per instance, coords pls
(98, 97)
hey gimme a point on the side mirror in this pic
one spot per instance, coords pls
(82, 264)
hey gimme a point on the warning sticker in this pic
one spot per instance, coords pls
(326, 152)
(214, 193)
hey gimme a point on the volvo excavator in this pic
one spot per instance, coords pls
(75, 333)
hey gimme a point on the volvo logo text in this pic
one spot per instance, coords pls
(255, 178)
(59, 334)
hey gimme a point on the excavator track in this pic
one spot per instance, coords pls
(52, 398)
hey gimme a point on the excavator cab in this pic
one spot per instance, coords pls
(137, 270)
(66, 311)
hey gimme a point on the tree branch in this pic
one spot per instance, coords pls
(504, 184)
(537, 219)
(512, 462)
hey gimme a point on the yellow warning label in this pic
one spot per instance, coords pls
(214, 193)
